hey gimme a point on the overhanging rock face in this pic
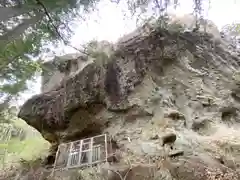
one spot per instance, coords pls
(87, 91)
(73, 105)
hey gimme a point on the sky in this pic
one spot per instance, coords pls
(109, 23)
(112, 25)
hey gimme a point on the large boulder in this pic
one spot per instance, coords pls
(107, 86)
(164, 94)
(85, 93)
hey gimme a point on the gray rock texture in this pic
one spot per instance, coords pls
(165, 82)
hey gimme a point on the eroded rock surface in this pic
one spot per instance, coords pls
(162, 83)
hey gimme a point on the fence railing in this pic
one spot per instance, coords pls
(85, 152)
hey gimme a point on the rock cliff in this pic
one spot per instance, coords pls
(164, 86)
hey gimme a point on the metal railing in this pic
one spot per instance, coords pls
(85, 152)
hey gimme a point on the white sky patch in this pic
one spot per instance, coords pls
(110, 23)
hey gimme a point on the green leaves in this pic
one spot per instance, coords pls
(49, 25)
